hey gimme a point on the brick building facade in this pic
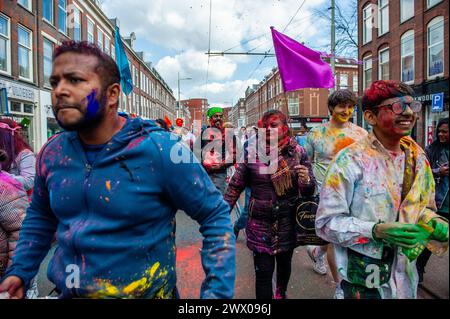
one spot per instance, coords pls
(407, 40)
(30, 30)
(307, 106)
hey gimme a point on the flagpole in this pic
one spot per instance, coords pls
(333, 42)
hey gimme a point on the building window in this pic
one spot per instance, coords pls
(107, 45)
(343, 81)
(62, 16)
(25, 54)
(406, 9)
(113, 52)
(48, 53)
(355, 82)
(431, 3)
(293, 106)
(407, 56)
(383, 65)
(383, 16)
(5, 51)
(435, 31)
(19, 107)
(136, 77)
(367, 75)
(90, 31)
(76, 24)
(47, 10)
(100, 39)
(25, 3)
(367, 24)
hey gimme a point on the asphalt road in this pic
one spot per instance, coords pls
(304, 283)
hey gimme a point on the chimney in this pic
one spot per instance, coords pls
(130, 40)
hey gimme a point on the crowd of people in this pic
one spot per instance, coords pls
(107, 188)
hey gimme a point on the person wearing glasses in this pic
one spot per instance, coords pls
(322, 145)
(213, 149)
(377, 202)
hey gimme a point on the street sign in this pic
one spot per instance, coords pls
(437, 102)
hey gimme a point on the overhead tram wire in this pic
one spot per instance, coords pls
(265, 34)
(265, 56)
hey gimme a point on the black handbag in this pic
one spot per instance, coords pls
(305, 220)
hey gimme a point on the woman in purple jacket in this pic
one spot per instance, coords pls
(275, 190)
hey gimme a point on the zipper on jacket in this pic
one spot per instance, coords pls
(88, 170)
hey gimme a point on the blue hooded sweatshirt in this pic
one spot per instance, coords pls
(115, 219)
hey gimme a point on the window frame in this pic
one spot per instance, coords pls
(30, 5)
(60, 9)
(107, 48)
(403, 19)
(343, 76)
(90, 23)
(100, 32)
(77, 13)
(7, 38)
(297, 106)
(405, 35)
(434, 21)
(47, 85)
(381, 8)
(368, 7)
(434, 4)
(52, 7)
(367, 58)
(30, 50)
(380, 52)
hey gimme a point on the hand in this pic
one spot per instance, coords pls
(440, 232)
(14, 286)
(443, 170)
(303, 174)
(403, 235)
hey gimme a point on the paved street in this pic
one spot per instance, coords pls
(304, 284)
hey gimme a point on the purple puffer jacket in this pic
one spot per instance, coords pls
(270, 225)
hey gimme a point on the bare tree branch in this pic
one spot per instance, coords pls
(346, 28)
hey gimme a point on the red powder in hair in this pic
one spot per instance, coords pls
(383, 90)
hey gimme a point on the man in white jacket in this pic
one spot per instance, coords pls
(377, 201)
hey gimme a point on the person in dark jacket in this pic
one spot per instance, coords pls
(438, 155)
(109, 187)
(274, 195)
(216, 149)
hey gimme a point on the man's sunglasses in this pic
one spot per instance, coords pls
(400, 106)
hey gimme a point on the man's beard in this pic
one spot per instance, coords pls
(89, 120)
(217, 124)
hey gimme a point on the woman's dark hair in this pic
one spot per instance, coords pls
(106, 68)
(269, 114)
(162, 123)
(341, 97)
(11, 143)
(382, 90)
(435, 149)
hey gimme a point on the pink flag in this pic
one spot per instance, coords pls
(300, 67)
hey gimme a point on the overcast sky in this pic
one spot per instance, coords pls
(174, 34)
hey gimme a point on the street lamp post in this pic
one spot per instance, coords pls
(179, 104)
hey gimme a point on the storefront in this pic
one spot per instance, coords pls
(49, 125)
(435, 102)
(21, 104)
(296, 122)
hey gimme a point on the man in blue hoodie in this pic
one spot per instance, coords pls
(109, 189)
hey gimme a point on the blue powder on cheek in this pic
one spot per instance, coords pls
(93, 105)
